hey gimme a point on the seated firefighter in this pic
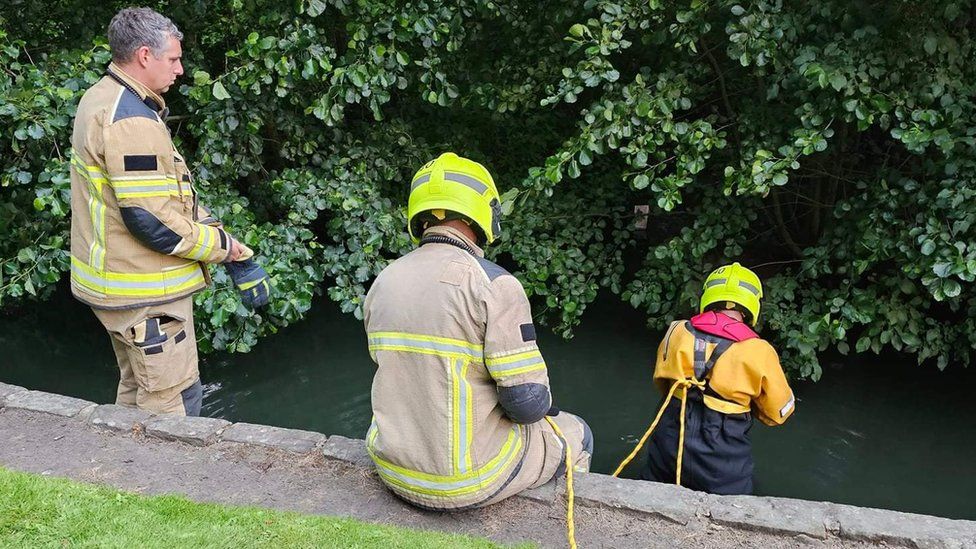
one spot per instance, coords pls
(461, 391)
(728, 373)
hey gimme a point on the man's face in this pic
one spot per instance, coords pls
(162, 71)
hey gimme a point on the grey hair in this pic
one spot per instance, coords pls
(133, 28)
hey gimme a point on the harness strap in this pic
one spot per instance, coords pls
(703, 367)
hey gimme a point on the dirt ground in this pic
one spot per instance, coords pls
(245, 475)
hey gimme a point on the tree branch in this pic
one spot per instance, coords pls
(784, 233)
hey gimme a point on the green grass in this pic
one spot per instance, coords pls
(38, 511)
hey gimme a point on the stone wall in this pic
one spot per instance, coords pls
(769, 514)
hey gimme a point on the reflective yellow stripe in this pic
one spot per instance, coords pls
(205, 242)
(424, 344)
(160, 284)
(85, 170)
(452, 485)
(96, 208)
(515, 364)
(251, 284)
(142, 186)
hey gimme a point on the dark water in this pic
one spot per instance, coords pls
(875, 431)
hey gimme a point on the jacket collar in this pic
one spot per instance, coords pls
(149, 97)
(454, 234)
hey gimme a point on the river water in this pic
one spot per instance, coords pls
(875, 431)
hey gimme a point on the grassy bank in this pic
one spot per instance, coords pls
(37, 511)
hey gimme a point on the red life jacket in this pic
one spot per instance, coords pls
(722, 326)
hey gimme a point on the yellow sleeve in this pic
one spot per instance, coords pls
(775, 403)
(156, 207)
(662, 378)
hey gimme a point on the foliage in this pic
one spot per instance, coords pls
(829, 144)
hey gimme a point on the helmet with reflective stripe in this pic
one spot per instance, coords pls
(733, 285)
(452, 187)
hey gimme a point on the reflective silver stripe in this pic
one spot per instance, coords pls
(463, 443)
(170, 188)
(444, 486)
(478, 186)
(204, 244)
(420, 181)
(716, 282)
(121, 284)
(749, 287)
(466, 180)
(500, 369)
(421, 344)
(787, 407)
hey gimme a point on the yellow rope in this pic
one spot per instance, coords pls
(686, 383)
(570, 527)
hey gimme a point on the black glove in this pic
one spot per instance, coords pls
(553, 411)
(252, 282)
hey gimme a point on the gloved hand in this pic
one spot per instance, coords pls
(252, 282)
(553, 411)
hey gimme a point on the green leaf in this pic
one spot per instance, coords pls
(838, 81)
(951, 288)
(35, 131)
(930, 44)
(219, 91)
(316, 7)
(26, 255)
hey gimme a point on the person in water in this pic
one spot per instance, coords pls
(727, 374)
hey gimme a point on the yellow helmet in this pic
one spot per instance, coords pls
(454, 185)
(734, 285)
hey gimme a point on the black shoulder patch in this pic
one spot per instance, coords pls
(528, 331)
(140, 163)
(492, 270)
(131, 106)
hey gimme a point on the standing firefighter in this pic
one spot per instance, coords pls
(461, 391)
(720, 373)
(139, 238)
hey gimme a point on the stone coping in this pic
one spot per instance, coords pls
(770, 514)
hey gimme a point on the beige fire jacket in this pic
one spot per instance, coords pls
(138, 235)
(460, 387)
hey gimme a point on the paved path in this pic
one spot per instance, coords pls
(244, 474)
